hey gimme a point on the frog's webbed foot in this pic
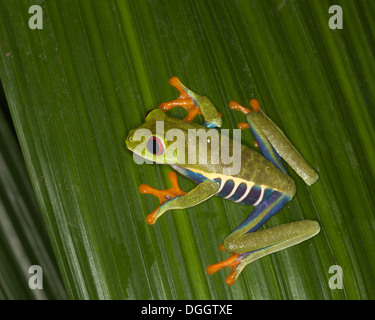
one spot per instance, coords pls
(163, 195)
(184, 101)
(254, 103)
(234, 262)
(175, 198)
(194, 104)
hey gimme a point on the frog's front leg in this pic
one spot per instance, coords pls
(194, 103)
(175, 198)
(247, 245)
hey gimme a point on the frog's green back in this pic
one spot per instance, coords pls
(235, 161)
(254, 169)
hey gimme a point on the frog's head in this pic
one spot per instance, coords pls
(149, 140)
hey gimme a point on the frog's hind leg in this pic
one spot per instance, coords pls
(273, 143)
(194, 104)
(265, 146)
(247, 245)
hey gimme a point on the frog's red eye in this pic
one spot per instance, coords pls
(155, 146)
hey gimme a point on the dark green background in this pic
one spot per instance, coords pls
(76, 87)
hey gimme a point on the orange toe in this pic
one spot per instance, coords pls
(163, 195)
(230, 262)
(184, 101)
(236, 106)
(255, 105)
(243, 125)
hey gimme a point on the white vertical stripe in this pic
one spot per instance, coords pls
(246, 193)
(221, 186)
(260, 197)
(233, 191)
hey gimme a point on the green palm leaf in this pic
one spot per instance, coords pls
(23, 239)
(76, 87)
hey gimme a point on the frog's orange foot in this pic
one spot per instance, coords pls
(184, 101)
(254, 103)
(243, 125)
(233, 262)
(236, 106)
(163, 195)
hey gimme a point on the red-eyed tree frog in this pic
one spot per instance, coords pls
(261, 180)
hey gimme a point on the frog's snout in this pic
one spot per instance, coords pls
(129, 140)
